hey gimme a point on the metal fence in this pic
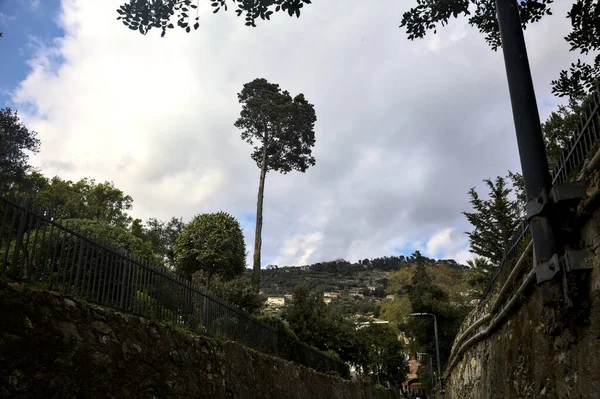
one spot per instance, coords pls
(572, 158)
(55, 255)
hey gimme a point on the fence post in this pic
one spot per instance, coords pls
(123, 279)
(80, 261)
(19, 239)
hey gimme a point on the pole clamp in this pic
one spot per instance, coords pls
(561, 195)
(571, 261)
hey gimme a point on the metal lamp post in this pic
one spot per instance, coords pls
(437, 345)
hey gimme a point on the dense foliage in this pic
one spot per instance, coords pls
(562, 126)
(237, 290)
(427, 297)
(84, 199)
(15, 141)
(161, 235)
(494, 220)
(479, 275)
(374, 350)
(212, 242)
(147, 14)
(381, 354)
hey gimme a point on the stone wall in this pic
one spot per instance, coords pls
(541, 351)
(55, 346)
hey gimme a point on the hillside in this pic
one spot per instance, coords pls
(369, 276)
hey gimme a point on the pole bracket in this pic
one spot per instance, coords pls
(548, 270)
(567, 193)
(538, 205)
(576, 260)
(561, 196)
(571, 261)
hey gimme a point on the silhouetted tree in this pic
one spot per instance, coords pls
(212, 242)
(15, 141)
(281, 129)
(494, 220)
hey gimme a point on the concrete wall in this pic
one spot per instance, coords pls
(53, 346)
(541, 351)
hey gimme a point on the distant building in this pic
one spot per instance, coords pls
(355, 292)
(288, 297)
(327, 300)
(303, 268)
(331, 294)
(275, 301)
(412, 384)
(392, 297)
(371, 320)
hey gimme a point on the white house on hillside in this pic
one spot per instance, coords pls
(275, 301)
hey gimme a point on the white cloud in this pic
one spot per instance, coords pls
(297, 250)
(404, 128)
(448, 244)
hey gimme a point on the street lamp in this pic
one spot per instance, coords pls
(437, 345)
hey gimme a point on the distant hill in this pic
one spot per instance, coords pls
(367, 275)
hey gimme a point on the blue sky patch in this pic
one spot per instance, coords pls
(25, 25)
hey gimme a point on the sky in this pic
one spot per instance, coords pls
(404, 128)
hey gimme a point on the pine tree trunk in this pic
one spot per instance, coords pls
(259, 220)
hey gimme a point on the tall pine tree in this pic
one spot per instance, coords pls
(494, 220)
(281, 129)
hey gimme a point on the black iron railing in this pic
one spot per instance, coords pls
(572, 158)
(59, 256)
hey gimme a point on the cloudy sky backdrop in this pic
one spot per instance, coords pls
(404, 128)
